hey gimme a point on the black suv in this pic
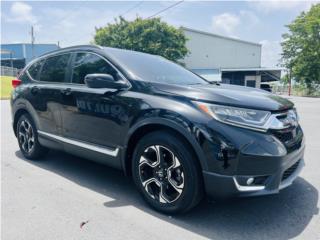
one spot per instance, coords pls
(176, 134)
(266, 87)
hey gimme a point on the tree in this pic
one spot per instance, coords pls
(301, 47)
(145, 35)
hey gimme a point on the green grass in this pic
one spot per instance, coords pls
(6, 86)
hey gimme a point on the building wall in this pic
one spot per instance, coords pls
(212, 51)
(16, 50)
(24, 50)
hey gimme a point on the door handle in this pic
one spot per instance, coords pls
(66, 92)
(35, 90)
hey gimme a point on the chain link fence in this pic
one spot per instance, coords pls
(280, 90)
(9, 71)
(298, 90)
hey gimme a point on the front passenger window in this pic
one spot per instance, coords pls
(88, 63)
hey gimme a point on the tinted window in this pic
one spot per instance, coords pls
(24, 77)
(34, 70)
(88, 63)
(154, 68)
(54, 68)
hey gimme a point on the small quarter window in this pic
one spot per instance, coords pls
(34, 70)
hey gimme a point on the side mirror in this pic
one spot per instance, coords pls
(98, 80)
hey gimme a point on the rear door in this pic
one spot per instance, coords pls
(47, 93)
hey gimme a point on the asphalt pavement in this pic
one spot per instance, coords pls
(51, 199)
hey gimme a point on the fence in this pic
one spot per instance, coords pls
(280, 90)
(9, 71)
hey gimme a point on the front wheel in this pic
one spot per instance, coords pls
(167, 173)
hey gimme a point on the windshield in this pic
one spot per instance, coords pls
(212, 75)
(154, 68)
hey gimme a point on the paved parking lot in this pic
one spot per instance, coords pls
(50, 199)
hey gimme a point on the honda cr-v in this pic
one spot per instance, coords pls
(179, 136)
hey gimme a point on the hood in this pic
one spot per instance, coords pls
(227, 94)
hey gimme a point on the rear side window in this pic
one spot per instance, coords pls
(54, 69)
(34, 70)
(88, 63)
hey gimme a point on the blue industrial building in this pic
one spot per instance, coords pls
(19, 54)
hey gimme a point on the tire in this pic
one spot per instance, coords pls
(172, 183)
(27, 136)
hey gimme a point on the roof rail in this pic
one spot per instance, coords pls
(84, 45)
(71, 47)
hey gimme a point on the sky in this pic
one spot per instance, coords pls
(74, 22)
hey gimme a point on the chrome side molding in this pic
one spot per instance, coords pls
(104, 150)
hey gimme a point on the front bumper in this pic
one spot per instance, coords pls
(269, 164)
(222, 186)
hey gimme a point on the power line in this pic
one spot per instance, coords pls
(130, 9)
(165, 9)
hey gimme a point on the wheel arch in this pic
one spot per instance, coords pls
(16, 117)
(23, 107)
(152, 125)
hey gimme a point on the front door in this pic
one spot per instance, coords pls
(93, 116)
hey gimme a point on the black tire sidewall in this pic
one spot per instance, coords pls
(190, 169)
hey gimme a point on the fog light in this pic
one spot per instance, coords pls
(250, 181)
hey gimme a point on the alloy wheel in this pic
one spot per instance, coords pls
(26, 136)
(161, 174)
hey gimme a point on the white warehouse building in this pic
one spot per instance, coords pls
(226, 59)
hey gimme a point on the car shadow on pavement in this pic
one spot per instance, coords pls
(281, 216)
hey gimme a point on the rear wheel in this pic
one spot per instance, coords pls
(166, 173)
(28, 138)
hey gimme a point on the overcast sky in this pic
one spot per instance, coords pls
(73, 22)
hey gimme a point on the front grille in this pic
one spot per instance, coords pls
(294, 146)
(284, 136)
(291, 138)
(290, 170)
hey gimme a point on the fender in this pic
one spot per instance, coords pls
(187, 132)
(22, 104)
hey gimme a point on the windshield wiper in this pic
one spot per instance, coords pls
(214, 82)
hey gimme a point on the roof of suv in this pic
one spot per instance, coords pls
(82, 47)
(93, 47)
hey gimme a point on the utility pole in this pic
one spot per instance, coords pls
(289, 93)
(32, 41)
(11, 60)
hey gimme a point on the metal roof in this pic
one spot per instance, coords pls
(252, 69)
(21, 43)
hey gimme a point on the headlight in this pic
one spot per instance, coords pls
(241, 117)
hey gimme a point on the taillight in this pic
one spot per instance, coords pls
(16, 83)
